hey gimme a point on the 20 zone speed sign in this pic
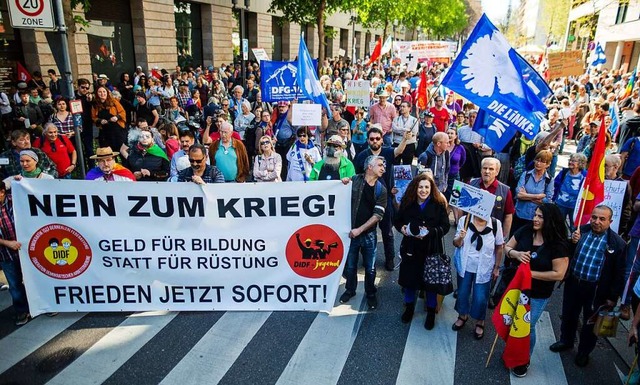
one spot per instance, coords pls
(31, 13)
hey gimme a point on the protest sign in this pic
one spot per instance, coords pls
(93, 246)
(613, 197)
(472, 200)
(260, 54)
(403, 176)
(568, 63)
(306, 114)
(278, 81)
(358, 93)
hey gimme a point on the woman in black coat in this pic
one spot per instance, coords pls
(422, 219)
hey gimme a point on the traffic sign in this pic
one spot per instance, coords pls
(245, 49)
(31, 14)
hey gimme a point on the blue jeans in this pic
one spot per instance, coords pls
(472, 297)
(13, 273)
(430, 298)
(365, 243)
(537, 307)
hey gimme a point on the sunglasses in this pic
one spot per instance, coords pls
(196, 161)
(84, 87)
(302, 135)
(264, 143)
(375, 139)
(225, 105)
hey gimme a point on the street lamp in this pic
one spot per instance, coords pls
(247, 4)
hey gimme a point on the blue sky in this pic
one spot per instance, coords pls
(496, 10)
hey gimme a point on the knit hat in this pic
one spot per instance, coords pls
(31, 154)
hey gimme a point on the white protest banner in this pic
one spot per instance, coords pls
(305, 114)
(413, 52)
(613, 198)
(260, 54)
(358, 93)
(95, 246)
(472, 200)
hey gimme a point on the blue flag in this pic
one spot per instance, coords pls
(308, 79)
(615, 122)
(495, 131)
(599, 57)
(491, 74)
(278, 81)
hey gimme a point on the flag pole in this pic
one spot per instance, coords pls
(583, 203)
(491, 352)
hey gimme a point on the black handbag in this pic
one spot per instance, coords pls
(437, 274)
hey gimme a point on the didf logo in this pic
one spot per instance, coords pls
(314, 251)
(59, 251)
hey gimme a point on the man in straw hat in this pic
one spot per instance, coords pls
(108, 170)
(334, 165)
(383, 114)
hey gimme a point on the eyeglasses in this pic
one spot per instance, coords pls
(265, 143)
(225, 105)
(302, 135)
(375, 139)
(196, 161)
(84, 87)
(344, 129)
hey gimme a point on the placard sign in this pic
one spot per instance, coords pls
(358, 93)
(306, 114)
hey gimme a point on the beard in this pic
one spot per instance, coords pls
(333, 162)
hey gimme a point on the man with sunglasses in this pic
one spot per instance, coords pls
(200, 172)
(375, 147)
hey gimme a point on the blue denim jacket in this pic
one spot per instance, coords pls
(526, 209)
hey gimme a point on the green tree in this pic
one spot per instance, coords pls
(310, 12)
(380, 13)
(556, 23)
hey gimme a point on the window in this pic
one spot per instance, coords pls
(623, 6)
(188, 33)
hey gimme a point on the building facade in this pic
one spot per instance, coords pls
(122, 34)
(613, 24)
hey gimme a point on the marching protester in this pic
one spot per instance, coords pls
(422, 220)
(334, 165)
(145, 159)
(302, 156)
(368, 202)
(107, 169)
(229, 155)
(543, 245)
(404, 123)
(567, 186)
(200, 172)
(59, 149)
(267, 166)
(533, 189)
(21, 140)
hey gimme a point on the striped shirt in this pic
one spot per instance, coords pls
(590, 258)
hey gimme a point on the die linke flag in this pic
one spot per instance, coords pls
(512, 318)
(593, 185)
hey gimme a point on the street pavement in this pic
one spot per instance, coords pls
(351, 345)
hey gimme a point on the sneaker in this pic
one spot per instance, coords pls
(389, 265)
(22, 319)
(346, 296)
(520, 371)
(560, 347)
(372, 302)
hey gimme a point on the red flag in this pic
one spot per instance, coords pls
(512, 318)
(376, 52)
(156, 74)
(23, 74)
(422, 91)
(593, 187)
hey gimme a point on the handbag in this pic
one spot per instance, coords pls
(606, 323)
(437, 274)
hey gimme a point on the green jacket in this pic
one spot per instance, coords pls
(346, 169)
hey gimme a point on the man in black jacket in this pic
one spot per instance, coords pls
(595, 278)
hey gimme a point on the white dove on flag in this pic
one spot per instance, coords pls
(486, 63)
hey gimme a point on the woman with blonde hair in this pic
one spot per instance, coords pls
(268, 163)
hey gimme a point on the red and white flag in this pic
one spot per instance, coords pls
(23, 74)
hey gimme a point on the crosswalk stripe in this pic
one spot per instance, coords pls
(430, 355)
(111, 351)
(330, 338)
(31, 336)
(546, 366)
(218, 349)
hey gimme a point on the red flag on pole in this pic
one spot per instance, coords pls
(593, 187)
(156, 74)
(422, 91)
(23, 74)
(376, 52)
(512, 318)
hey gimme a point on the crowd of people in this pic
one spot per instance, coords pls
(207, 125)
